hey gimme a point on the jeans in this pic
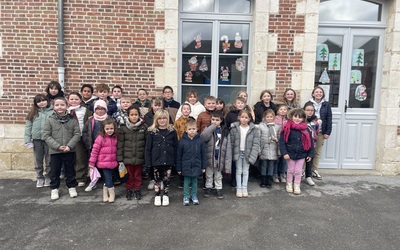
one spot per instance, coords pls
(40, 152)
(280, 166)
(56, 161)
(267, 167)
(242, 167)
(108, 182)
(189, 181)
(295, 168)
(309, 168)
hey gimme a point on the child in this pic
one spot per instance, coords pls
(104, 156)
(41, 110)
(116, 94)
(232, 116)
(204, 118)
(295, 145)
(156, 104)
(269, 147)
(245, 96)
(323, 111)
(93, 124)
(289, 99)
(121, 116)
(143, 102)
(219, 153)
(220, 105)
(160, 153)
(195, 106)
(190, 161)
(263, 105)
(131, 145)
(280, 165)
(61, 133)
(169, 103)
(313, 124)
(180, 123)
(87, 95)
(245, 139)
(102, 94)
(53, 90)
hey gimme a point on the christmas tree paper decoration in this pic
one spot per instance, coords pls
(203, 66)
(322, 53)
(334, 61)
(324, 77)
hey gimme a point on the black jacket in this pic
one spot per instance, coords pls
(160, 150)
(294, 147)
(325, 114)
(191, 156)
(260, 108)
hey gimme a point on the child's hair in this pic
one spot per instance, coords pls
(280, 106)
(244, 111)
(220, 101)
(35, 108)
(51, 85)
(190, 123)
(87, 86)
(318, 87)
(156, 101)
(186, 104)
(191, 92)
(307, 104)
(167, 87)
(297, 112)
(239, 99)
(159, 114)
(142, 90)
(242, 92)
(102, 87)
(294, 102)
(266, 91)
(107, 121)
(62, 99)
(217, 114)
(133, 107)
(77, 94)
(124, 97)
(269, 111)
(117, 87)
(210, 98)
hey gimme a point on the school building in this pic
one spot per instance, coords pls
(217, 47)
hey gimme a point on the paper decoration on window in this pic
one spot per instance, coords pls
(225, 43)
(355, 76)
(240, 64)
(361, 93)
(324, 79)
(188, 76)
(224, 75)
(193, 63)
(238, 41)
(334, 61)
(198, 41)
(322, 53)
(357, 58)
(203, 66)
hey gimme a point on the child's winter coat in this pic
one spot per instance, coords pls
(294, 146)
(269, 141)
(180, 125)
(252, 142)
(131, 143)
(104, 152)
(34, 128)
(191, 156)
(160, 150)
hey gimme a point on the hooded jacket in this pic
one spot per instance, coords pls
(191, 156)
(252, 142)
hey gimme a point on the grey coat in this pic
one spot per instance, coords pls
(34, 128)
(252, 142)
(269, 141)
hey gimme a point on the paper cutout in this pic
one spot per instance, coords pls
(193, 63)
(203, 66)
(198, 41)
(188, 76)
(225, 43)
(238, 41)
(361, 93)
(357, 58)
(240, 64)
(324, 77)
(322, 53)
(224, 75)
(334, 61)
(355, 76)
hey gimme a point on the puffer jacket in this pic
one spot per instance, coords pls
(294, 147)
(269, 141)
(180, 125)
(34, 128)
(191, 156)
(225, 150)
(104, 152)
(260, 108)
(58, 134)
(252, 142)
(131, 144)
(160, 150)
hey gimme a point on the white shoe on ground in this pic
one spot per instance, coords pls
(72, 192)
(165, 200)
(54, 194)
(309, 181)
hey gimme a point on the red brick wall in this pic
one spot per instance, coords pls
(108, 42)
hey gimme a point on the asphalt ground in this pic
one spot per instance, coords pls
(340, 212)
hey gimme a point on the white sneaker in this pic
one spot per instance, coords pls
(316, 175)
(275, 179)
(90, 187)
(165, 200)
(157, 201)
(47, 181)
(72, 192)
(239, 193)
(54, 194)
(81, 184)
(40, 183)
(245, 194)
(151, 185)
(309, 181)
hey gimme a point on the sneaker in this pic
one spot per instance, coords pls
(129, 194)
(245, 194)
(54, 194)
(157, 201)
(47, 181)
(283, 178)
(72, 192)
(81, 184)
(165, 200)
(297, 189)
(40, 183)
(309, 181)
(90, 187)
(316, 175)
(275, 179)
(289, 187)
(239, 193)
(207, 193)
(220, 195)
(186, 201)
(151, 185)
(195, 200)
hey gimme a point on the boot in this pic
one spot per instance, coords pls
(289, 187)
(111, 191)
(105, 194)
(233, 181)
(129, 194)
(297, 188)
(268, 183)
(263, 181)
(138, 195)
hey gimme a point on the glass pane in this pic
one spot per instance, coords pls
(363, 72)
(202, 92)
(198, 5)
(345, 10)
(237, 6)
(234, 38)
(196, 69)
(328, 67)
(196, 37)
(233, 70)
(228, 94)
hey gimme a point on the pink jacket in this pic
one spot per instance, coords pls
(104, 152)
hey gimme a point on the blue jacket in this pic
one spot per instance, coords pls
(294, 147)
(325, 114)
(191, 156)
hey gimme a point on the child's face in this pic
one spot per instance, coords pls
(74, 100)
(266, 98)
(60, 107)
(109, 129)
(192, 99)
(216, 121)
(239, 105)
(219, 106)
(100, 111)
(282, 111)
(289, 95)
(102, 94)
(162, 122)
(186, 110)
(142, 95)
(133, 116)
(269, 118)
(155, 107)
(244, 119)
(318, 94)
(309, 110)
(125, 104)
(297, 119)
(42, 104)
(210, 105)
(168, 94)
(53, 90)
(117, 93)
(86, 93)
(243, 95)
(191, 131)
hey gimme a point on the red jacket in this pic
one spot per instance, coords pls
(104, 152)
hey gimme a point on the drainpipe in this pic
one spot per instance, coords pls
(61, 68)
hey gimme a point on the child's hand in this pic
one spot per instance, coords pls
(286, 157)
(326, 136)
(308, 159)
(61, 148)
(179, 172)
(67, 149)
(91, 167)
(203, 170)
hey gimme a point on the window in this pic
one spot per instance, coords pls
(345, 10)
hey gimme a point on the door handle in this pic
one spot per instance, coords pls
(345, 106)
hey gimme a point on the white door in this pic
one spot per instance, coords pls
(352, 59)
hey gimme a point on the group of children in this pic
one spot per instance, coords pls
(154, 137)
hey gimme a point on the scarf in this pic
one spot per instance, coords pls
(100, 117)
(302, 127)
(272, 131)
(62, 118)
(132, 126)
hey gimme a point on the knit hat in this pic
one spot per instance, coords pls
(100, 104)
